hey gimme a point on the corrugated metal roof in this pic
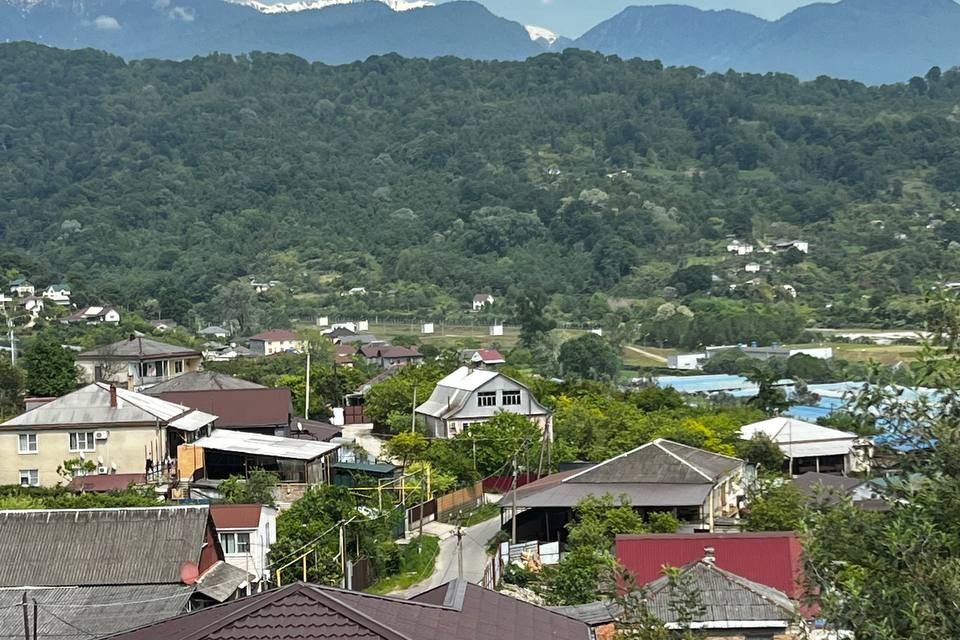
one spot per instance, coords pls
(259, 407)
(236, 516)
(135, 349)
(783, 430)
(99, 546)
(221, 581)
(192, 421)
(726, 597)
(90, 405)
(468, 379)
(639, 494)
(201, 381)
(106, 482)
(85, 613)
(261, 445)
(592, 613)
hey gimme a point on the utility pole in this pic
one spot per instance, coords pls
(306, 402)
(413, 411)
(343, 557)
(513, 520)
(459, 551)
(26, 618)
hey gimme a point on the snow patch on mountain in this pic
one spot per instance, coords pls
(312, 5)
(539, 33)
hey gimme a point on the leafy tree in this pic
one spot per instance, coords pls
(530, 313)
(590, 357)
(692, 279)
(11, 389)
(762, 451)
(69, 469)
(663, 522)
(50, 368)
(493, 443)
(255, 489)
(774, 505)
(769, 398)
(406, 446)
(396, 394)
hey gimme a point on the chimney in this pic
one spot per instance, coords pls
(113, 396)
(709, 555)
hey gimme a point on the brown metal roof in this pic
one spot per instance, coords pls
(76, 547)
(106, 482)
(236, 516)
(238, 407)
(456, 611)
(388, 351)
(276, 335)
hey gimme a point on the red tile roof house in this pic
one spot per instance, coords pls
(246, 533)
(772, 559)
(455, 611)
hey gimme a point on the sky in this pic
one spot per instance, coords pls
(572, 18)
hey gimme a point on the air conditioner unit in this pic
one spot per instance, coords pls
(100, 435)
(102, 469)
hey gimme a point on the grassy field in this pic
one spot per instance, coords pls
(416, 564)
(886, 354)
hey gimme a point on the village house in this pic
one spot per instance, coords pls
(213, 331)
(782, 246)
(22, 288)
(469, 396)
(739, 248)
(274, 341)
(810, 447)
(733, 608)
(96, 572)
(483, 357)
(343, 355)
(246, 533)
(33, 306)
(94, 315)
(163, 325)
(57, 294)
(137, 363)
(481, 301)
(696, 486)
(387, 356)
(453, 611)
(214, 352)
(120, 431)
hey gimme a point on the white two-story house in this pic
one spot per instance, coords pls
(274, 341)
(57, 294)
(468, 396)
(246, 532)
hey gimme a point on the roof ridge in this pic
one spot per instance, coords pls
(607, 461)
(659, 444)
(749, 585)
(352, 613)
(712, 453)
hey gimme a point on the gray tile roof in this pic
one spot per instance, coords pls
(639, 495)
(201, 381)
(727, 597)
(811, 483)
(84, 613)
(137, 348)
(90, 405)
(660, 461)
(592, 613)
(99, 546)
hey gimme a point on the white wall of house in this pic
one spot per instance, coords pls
(248, 549)
(42, 451)
(270, 347)
(137, 374)
(686, 361)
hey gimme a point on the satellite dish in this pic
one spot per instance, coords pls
(189, 573)
(99, 459)
(83, 456)
(113, 465)
(299, 426)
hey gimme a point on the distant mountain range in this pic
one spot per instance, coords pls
(873, 41)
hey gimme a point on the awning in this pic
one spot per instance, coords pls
(192, 421)
(261, 445)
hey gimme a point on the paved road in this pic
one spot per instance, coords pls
(647, 354)
(475, 557)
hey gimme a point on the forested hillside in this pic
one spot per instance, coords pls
(428, 181)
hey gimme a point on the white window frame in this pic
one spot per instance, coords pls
(178, 366)
(484, 398)
(89, 441)
(235, 537)
(32, 477)
(512, 393)
(26, 437)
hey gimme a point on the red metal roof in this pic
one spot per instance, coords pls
(238, 407)
(106, 482)
(276, 335)
(236, 516)
(773, 559)
(491, 355)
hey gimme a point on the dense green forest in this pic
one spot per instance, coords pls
(154, 184)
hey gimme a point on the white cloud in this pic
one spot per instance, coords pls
(183, 13)
(106, 23)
